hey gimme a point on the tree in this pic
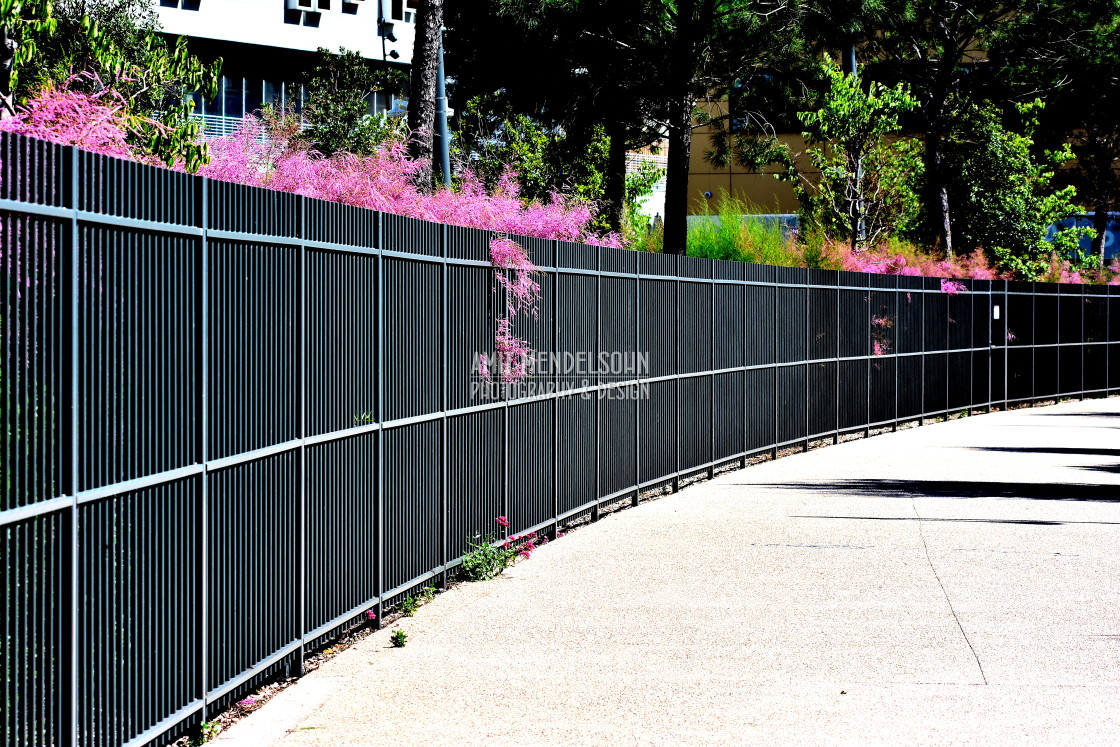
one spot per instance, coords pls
(422, 87)
(856, 193)
(707, 44)
(338, 87)
(115, 44)
(1081, 85)
(580, 70)
(940, 49)
(491, 138)
(21, 25)
(1005, 187)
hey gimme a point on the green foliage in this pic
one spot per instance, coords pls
(207, 730)
(409, 606)
(337, 89)
(639, 184)
(732, 233)
(1002, 190)
(483, 561)
(118, 43)
(398, 638)
(1082, 87)
(491, 137)
(864, 190)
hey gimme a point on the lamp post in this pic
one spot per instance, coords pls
(441, 117)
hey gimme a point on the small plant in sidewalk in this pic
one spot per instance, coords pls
(487, 557)
(398, 638)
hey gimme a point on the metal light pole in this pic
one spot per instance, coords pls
(441, 117)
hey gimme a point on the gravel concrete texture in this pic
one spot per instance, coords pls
(952, 584)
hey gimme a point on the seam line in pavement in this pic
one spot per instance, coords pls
(925, 546)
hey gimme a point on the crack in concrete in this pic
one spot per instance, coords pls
(925, 546)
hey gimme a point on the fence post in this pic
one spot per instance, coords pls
(945, 353)
(711, 368)
(380, 551)
(971, 347)
(556, 383)
(741, 362)
(805, 360)
(598, 383)
(774, 410)
(867, 362)
(1081, 340)
(1034, 343)
(988, 344)
(637, 402)
(836, 355)
(1007, 348)
(444, 405)
(677, 381)
(72, 196)
(1108, 341)
(202, 217)
(302, 574)
(922, 383)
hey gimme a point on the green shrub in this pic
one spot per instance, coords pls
(733, 232)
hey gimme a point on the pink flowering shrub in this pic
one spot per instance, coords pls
(898, 260)
(1063, 271)
(266, 152)
(94, 122)
(515, 275)
(514, 272)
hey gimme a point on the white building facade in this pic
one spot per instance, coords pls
(267, 45)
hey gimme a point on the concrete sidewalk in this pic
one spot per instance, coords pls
(953, 584)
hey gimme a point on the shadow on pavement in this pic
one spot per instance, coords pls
(1077, 414)
(1033, 522)
(1113, 468)
(1088, 451)
(961, 489)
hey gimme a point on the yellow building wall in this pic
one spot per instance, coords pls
(766, 193)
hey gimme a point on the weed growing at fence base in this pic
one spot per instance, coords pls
(486, 559)
(410, 605)
(207, 730)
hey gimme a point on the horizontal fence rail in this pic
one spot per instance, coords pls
(236, 420)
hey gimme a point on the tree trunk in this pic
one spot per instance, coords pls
(683, 62)
(615, 187)
(676, 175)
(422, 88)
(939, 190)
(1100, 225)
(946, 225)
(8, 47)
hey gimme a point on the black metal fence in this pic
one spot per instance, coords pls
(235, 420)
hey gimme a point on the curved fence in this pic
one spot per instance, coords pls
(236, 420)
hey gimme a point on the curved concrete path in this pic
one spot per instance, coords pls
(953, 584)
